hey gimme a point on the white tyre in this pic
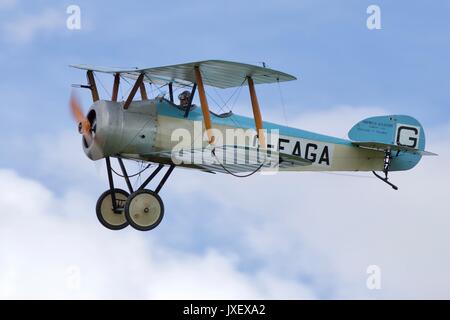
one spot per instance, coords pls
(144, 210)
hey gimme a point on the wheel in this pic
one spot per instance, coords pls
(144, 210)
(105, 213)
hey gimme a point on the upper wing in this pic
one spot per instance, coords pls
(384, 146)
(234, 159)
(215, 73)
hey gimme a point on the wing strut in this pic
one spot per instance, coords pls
(204, 104)
(92, 85)
(136, 86)
(115, 91)
(256, 113)
(191, 98)
(143, 91)
(171, 91)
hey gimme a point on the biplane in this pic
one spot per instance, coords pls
(169, 134)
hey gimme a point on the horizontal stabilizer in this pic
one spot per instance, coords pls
(393, 147)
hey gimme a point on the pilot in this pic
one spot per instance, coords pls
(184, 99)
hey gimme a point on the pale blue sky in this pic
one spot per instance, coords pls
(325, 43)
(402, 68)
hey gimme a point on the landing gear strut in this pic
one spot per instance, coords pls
(387, 164)
(143, 209)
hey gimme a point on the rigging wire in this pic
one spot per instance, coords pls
(235, 121)
(214, 100)
(138, 180)
(132, 175)
(283, 105)
(160, 87)
(234, 174)
(121, 91)
(129, 84)
(239, 89)
(154, 85)
(97, 78)
(346, 175)
(219, 95)
(236, 90)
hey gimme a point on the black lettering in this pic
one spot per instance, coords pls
(412, 139)
(281, 140)
(296, 151)
(325, 157)
(311, 156)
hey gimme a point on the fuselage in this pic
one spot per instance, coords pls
(150, 126)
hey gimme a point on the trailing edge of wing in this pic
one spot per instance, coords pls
(216, 73)
(384, 146)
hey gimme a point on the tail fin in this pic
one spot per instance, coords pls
(399, 133)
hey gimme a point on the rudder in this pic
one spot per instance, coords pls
(395, 130)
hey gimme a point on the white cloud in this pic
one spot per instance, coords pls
(64, 153)
(336, 121)
(46, 243)
(25, 28)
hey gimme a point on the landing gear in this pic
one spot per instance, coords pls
(111, 213)
(143, 209)
(387, 164)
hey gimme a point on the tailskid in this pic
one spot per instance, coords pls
(387, 164)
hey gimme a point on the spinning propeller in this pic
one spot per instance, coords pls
(87, 126)
(84, 125)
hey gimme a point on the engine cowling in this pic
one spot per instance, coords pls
(118, 131)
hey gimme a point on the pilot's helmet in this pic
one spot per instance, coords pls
(184, 95)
